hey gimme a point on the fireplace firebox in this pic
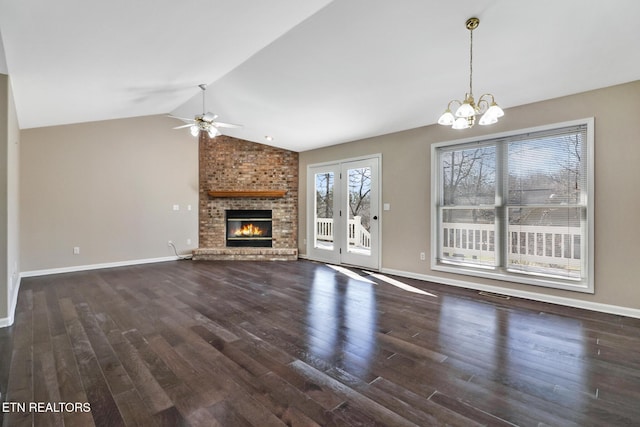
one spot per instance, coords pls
(249, 228)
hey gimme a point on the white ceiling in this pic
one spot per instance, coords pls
(309, 73)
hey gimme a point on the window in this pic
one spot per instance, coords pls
(517, 206)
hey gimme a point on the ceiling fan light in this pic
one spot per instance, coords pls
(194, 130)
(446, 118)
(465, 110)
(460, 123)
(213, 132)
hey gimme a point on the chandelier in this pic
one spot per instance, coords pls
(465, 115)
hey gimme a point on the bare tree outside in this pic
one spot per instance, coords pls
(324, 195)
(359, 194)
(546, 172)
(469, 178)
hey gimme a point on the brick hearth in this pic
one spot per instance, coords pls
(262, 177)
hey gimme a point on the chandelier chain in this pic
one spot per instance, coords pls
(471, 63)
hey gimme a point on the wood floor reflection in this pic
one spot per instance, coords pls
(301, 344)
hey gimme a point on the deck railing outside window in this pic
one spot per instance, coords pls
(358, 235)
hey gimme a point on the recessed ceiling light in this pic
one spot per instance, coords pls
(268, 137)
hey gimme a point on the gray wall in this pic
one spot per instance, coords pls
(406, 183)
(9, 217)
(108, 188)
(4, 200)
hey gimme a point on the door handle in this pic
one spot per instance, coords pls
(375, 217)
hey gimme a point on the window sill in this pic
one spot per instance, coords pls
(546, 282)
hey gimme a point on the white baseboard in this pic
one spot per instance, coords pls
(72, 269)
(569, 302)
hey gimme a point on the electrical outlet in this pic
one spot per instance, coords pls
(76, 250)
(188, 241)
(423, 256)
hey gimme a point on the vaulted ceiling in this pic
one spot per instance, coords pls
(308, 73)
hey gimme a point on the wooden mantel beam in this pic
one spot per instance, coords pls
(248, 193)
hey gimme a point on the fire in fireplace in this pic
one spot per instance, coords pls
(249, 228)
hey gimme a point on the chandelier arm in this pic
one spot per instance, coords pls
(488, 104)
(487, 95)
(453, 101)
(483, 104)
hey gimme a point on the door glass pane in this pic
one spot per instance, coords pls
(359, 211)
(323, 235)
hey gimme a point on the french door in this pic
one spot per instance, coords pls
(343, 212)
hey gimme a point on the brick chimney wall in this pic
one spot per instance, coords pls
(230, 164)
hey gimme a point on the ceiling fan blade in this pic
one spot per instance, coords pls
(225, 125)
(183, 126)
(209, 117)
(181, 118)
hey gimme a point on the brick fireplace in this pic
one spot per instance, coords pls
(242, 176)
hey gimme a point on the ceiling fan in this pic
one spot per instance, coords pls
(204, 122)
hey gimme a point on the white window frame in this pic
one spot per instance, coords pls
(586, 285)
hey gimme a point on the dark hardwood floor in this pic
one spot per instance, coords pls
(6, 348)
(297, 343)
